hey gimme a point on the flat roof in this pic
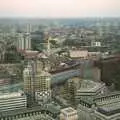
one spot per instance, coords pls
(116, 93)
(10, 95)
(68, 110)
(90, 86)
(110, 109)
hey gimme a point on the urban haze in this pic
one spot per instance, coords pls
(60, 60)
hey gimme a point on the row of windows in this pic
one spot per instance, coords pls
(12, 102)
(12, 108)
(12, 105)
(12, 99)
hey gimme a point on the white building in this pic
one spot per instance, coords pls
(103, 107)
(43, 96)
(24, 41)
(96, 44)
(68, 114)
(12, 101)
(83, 54)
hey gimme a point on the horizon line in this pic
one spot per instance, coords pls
(23, 17)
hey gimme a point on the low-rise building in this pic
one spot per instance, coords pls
(12, 101)
(103, 107)
(96, 43)
(68, 114)
(79, 54)
(89, 88)
(108, 107)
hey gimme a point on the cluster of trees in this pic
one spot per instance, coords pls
(8, 52)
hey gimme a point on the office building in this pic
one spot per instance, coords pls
(28, 79)
(89, 89)
(12, 101)
(70, 88)
(29, 84)
(68, 114)
(108, 107)
(42, 87)
(37, 83)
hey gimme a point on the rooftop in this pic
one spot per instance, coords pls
(10, 95)
(110, 109)
(90, 86)
(68, 110)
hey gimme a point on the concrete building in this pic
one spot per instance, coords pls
(95, 44)
(70, 88)
(37, 83)
(108, 107)
(49, 112)
(42, 87)
(29, 84)
(12, 101)
(76, 89)
(103, 107)
(28, 79)
(68, 114)
(79, 54)
(89, 88)
(24, 42)
(85, 109)
(95, 55)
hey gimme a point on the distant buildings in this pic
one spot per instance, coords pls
(12, 101)
(37, 38)
(68, 114)
(84, 54)
(79, 54)
(95, 44)
(24, 42)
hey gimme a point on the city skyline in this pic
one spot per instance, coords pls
(59, 8)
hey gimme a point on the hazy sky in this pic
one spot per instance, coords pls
(59, 8)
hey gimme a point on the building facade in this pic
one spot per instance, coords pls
(89, 89)
(37, 83)
(103, 107)
(42, 87)
(68, 114)
(24, 41)
(12, 101)
(108, 107)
